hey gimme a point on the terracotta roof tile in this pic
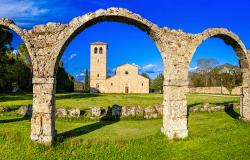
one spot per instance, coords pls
(98, 43)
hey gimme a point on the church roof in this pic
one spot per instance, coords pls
(98, 43)
(127, 64)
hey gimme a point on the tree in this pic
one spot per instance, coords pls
(145, 75)
(6, 38)
(65, 81)
(157, 83)
(86, 82)
(5, 45)
(205, 66)
(207, 63)
(23, 51)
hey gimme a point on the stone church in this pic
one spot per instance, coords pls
(125, 80)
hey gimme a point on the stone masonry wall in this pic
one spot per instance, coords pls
(215, 90)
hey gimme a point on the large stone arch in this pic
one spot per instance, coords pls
(53, 39)
(79, 24)
(234, 41)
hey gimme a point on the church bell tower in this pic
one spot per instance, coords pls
(98, 66)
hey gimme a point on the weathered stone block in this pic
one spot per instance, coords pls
(43, 127)
(128, 111)
(96, 111)
(159, 109)
(61, 112)
(173, 93)
(25, 110)
(5, 109)
(139, 111)
(75, 112)
(150, 112)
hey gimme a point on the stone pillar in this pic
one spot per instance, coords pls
(245, 104)
(175, 109)
(43, 114)
(245, 91)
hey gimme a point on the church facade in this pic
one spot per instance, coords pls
(125, 80)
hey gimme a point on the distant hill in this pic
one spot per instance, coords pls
(224, 68)
(228, 68)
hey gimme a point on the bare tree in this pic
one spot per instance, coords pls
(205, 65)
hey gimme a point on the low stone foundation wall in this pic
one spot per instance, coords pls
(117, 112)
(214, 90)
(207, 107)
(125, 112)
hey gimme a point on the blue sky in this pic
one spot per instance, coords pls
(127, 44)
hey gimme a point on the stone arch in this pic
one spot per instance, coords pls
(79, 24)
(234, 41)
(65, 36)
(229, 38)
(9, 24)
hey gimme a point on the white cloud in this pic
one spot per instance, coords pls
(20, 8)
(152, 68)
(72, 56)
(80, 75)
(193, 68)
(22, 11)
(136, 65)
(15, 51)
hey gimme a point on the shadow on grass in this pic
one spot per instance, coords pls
(231, 112)
(77, 95)
(14, 119)
(28, 96)
(108, 119)
(15, 97)
(83, 130)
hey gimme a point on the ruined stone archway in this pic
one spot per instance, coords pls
(63, 34)
(46, 44)
(79, 24)
(234, 41)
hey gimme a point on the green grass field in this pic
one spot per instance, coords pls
(211, 136)
(84, 101)
(215, 135)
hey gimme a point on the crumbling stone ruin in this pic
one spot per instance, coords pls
(46, 44)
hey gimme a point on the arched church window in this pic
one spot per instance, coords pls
(98, 75)
(100, 50)
(111, 84)
(95, 50)
(142, 84)
(97, 85)
(126, 72)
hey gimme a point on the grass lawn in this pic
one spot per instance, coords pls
(214, 135)
(84, 101)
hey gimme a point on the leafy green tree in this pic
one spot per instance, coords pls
(6, 38)
(87, 81)
(145, 75)
(65, 81)
(24, 53)
(5, 46)
(157, 83)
